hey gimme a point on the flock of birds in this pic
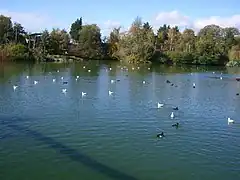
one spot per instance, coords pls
(159, 105)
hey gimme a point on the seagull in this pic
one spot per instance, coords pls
(27, 77)
(159, 105)
(84, 67)
(64, 90)
(110, 69)
(172, 115)
(35, 82)
(15, 87)
(144, 82)
(110, 93)
(54, 80)
(57, 70)
(148, 68)
(89, 70)
(221, 78)
(138, 67)
(230, 120)
(194, 85)
(83, 94)
(61, 77)
(77, 77)
(112, 81)
(132, 68)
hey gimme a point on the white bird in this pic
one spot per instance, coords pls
(230, 120)
(221, 78)
(57, 70)
(110, 93)
(138, 67)
(172, 115)
(15, 87)
(35, 82)
(61, 77)
(148, 68)
(110, 69)
(83, 94)
(84, 67)
(194, 85)
(112, 81)
(54, 80)
(77, 77)
(159, 105)
(27, 77)
(144, 82)
(64, 90)
(132, 68)
(89, 70)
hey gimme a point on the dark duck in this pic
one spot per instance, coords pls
(160, 135)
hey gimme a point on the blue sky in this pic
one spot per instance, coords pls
(36, 15)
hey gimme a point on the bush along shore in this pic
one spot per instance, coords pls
(212, 45)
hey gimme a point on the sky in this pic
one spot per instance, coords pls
(37, 15)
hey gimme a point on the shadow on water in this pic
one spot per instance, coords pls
(67, 151)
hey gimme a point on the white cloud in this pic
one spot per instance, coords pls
(36, 22)
(33, 22)
(175, 18)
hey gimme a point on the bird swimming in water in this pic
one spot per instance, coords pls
(194, 85)
(230, 120)
(15, 87)
(65, 82)
(172, 115)
(159, 105)
(160, 135)
(168, 81)
(175, 108)
(175, 125)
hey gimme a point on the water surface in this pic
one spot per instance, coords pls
(47, 134)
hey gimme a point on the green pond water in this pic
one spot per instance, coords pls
(48, 134)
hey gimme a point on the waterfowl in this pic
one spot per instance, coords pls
(15, 87)
(110, 69)
(172, 84)
(35, 82)
(221, 78)
(118, 80)
(110, 93)
(64, 90)
(84, 94)
(77, 77)
(175, 108)
(149, 68)
(230, 120)
(54, 80)
(160, 135)
(84, 67)
(144, 82)
(27, 77)
(89, 70)
(237, 94)
(65, 82)
(194, 85)
(175, 125)
(168, 81)
(61, 77)
(159, 105)
(172, 115)
(112, 81)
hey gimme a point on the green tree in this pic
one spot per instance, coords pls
(89, 42)
(19, 34)
(113, 42)
(6, 29)
(75, 28)
(138, 45)
(59, 41)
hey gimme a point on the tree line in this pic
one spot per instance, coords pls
(212, 45)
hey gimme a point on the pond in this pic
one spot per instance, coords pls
(50, 130)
